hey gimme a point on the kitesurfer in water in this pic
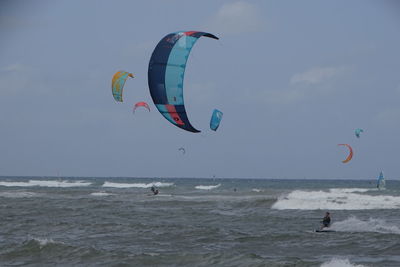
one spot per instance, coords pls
(154, 190)
(326, 221)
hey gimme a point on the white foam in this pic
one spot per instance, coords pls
(351, 190)
(256, 190)
(336, 199)
(136, 185)
(101, 194)
(44, 183)
(335, 262)
(207, 187)
(18, 194)
(218, 198)
(45, 241)
(353, 224)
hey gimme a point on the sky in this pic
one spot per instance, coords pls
(293, 79)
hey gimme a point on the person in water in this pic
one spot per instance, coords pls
(326, 221)
(154, 190)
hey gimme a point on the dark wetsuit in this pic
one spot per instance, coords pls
(326, 221)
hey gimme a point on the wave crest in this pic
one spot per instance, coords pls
(336, 199)
(353, 224)
(207, 187)
(136, 185)
(101, 194)
(335, 262)
(45, 183)
(18, 194)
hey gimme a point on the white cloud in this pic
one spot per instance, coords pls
(301, 88)
(234, 18)
(317, 75)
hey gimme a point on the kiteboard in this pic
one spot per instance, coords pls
(324, 230)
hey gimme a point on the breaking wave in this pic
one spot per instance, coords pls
(336, 199)
(18, 194)
(256, 190)
(207, 187)
(353, 224)
(335, 262)
(136, 185)
(101, 194)
(44, 183)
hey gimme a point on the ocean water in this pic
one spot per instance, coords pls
(48, 221)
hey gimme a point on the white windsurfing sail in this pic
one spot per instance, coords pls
(381, 181)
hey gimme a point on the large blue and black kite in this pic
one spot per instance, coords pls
(166, 72)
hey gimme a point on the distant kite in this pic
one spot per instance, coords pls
(141, 104)
(358, 131)
(350, 154)
(118, 82)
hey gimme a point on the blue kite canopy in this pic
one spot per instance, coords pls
(215, 119)
(358, 132)
(166, 72)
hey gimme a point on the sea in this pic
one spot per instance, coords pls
(84, 221)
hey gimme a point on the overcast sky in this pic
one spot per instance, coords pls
(293, 78)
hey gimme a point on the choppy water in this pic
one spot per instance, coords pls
(197, 222)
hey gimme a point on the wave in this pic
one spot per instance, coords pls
(372, 225)
(253, 199)
(45, 241)
(101, 194)
(207, 187)
(37, 242)
(336, 199)
(256, 190)
(351, 190)
(335, 262)
(43, 251)
(48, 183)
(136, 185)
(18, 194)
